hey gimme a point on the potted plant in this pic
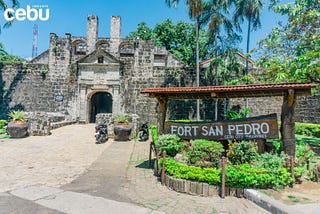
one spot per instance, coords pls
(18, 127)
(122, 129)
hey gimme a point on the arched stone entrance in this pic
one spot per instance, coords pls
(101, 102)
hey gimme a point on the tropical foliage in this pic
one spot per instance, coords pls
(4, 6)
(204, 150)
(178, 38)
(244, 175)
(291, 52)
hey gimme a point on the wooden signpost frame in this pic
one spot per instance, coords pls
(289, 92)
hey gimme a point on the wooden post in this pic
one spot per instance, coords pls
(164, 154)
(287, 123)
(150, 152)
(292, 166)
(163, 113)
(223, 177)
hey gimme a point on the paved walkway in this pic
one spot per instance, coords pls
(121, 173)
(113, 174)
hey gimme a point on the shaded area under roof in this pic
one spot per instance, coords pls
(238, 91)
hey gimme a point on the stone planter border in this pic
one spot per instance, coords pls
(199, 188)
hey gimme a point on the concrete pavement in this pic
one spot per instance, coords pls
(67, 173)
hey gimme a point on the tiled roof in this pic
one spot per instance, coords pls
(212, 58)
(231, 91)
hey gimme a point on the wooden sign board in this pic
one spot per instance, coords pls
(262, 127)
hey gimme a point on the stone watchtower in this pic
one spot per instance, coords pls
(115, 35)
(92, 32)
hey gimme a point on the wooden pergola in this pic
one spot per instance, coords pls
(289, 92)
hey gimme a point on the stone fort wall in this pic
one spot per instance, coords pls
(50, 84)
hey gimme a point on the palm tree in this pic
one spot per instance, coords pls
(195, 10)
(249, 10)
(2, 51)
(4, 6)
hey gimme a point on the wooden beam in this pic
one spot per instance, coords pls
(163, 112)
(287, 122)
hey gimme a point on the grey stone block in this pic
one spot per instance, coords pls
(187, 185)
(205, 189)
(199, 188)
(193, 187)
(213, 190)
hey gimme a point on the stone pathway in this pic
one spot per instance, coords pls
(121, 173)
(52, 160)
(71, 161)
(144, 188)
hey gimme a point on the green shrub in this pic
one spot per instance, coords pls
(2, 122)
(307, 129)
(240, 176)
(278, 146)
(245, 175)
(154, 133)
(204, 150)
(233, 115)
(169, 143)
(242, 152)
(270, 160)
(183, 171)
(303, 153)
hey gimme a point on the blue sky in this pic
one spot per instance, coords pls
(70, 16)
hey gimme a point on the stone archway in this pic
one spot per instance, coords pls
(100, 102)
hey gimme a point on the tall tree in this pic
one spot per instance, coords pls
(143, 32)
(216, 15)
(195, 10)
(249, 10)
(178, 38)
(291, 52)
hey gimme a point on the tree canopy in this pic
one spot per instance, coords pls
(178, 38)
(291, 52)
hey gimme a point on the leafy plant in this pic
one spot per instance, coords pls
(204, 150)
(241, 176)
(270, 160)
(121, 118)
(17, 115)
(303, 153)
(245, 175)
(43, 71)
(307, 129)
(209, 175)
(231, 114)
(154, 133)
(169, 143)
(55, 48)
(242, 152)
(2, 123)
(278, 146)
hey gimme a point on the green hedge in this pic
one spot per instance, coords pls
(2, 122)
(308, 129)
(241, 176)
(154, 133)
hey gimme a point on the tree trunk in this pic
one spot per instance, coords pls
(197, 64)
(287, 123)
(248, 44)
(163, 113)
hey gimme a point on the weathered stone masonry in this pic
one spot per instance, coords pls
(68, 78)
(79, 77)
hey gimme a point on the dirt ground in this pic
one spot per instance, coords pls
(306, 192)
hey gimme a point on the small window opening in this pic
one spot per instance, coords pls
(100, 59)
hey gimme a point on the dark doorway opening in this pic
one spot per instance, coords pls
(101, 102)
